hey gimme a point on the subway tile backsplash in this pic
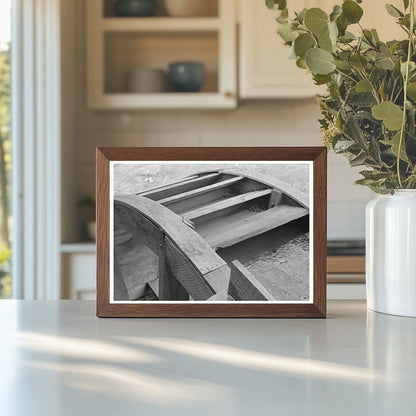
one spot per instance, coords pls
(258, 123)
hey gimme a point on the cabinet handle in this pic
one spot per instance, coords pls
(229, 94)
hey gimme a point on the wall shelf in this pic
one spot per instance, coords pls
(87, 247)
(160, 24)
(116, 46)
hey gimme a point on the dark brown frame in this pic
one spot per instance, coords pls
(210, 310)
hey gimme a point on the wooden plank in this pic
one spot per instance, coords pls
(196, 192)
(301, 198)
(275, 198)
(169, 287)
(142, 229)
(184, 185)
(244, 286)
(346, 264)
(185, 273)
(254, 225)
(187, 240)
(120, 289)
(219, 280)
(154, 286)
(227, 203)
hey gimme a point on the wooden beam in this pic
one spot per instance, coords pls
(142, 229)
(244, 286)
(219, 280)
(199, 191)
(120, 289)
(302, 198)
(169, 287)
(254, 225)
(226, 203)
(185, 273)
(346, 264)
(184, 185)
(275, 198)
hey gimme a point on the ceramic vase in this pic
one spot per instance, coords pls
(391, 253)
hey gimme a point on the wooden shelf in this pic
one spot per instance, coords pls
(128, 101)
(346, 264)
(87, 247)
(117, 45)
(346, 269)
(160, 24)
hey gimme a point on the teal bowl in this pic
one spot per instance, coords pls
(187, 76)
(135, 8)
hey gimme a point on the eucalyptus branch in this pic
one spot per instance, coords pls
(406, 80)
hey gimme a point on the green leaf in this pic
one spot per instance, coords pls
(303, 43)
(320, 61)
(343, 145)
(301, 15)
(276, 4)
(321, 79)
(301, 63)
(375, 35)
(316, 20)
(287, 33)
(358, 61)
(325, 42)
(393, 11)
(394, 144)
(344, 65)
(358, 160)
(411, 90)
(347, 37)
(384, 62)
(391, 114)
(363, 86)
(342, 25)
(336, 12)
(352, 12)
(374, 174)
(406, 4)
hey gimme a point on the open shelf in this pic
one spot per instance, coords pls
(119, 45)
(160, 24)
(210, 9)
(126, 51)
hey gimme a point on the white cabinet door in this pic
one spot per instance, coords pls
(265, 68)
(78, 276)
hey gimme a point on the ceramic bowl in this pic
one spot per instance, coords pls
(135, 8)
(147, 80)
(186, 76)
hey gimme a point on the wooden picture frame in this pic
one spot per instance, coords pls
(137, 212)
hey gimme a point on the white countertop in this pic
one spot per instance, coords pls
(57, 358)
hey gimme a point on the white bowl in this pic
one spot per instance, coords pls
(191, 8)
(147, 80)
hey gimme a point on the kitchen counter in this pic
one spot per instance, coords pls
(57, 358)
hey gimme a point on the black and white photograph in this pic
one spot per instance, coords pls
(211, 231)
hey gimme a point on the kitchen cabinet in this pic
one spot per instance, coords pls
(118, 45)
(264, 65)
(265, 70)
(78, 263)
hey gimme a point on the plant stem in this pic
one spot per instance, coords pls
(406, 80)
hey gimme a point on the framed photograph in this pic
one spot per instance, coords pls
(211, 232)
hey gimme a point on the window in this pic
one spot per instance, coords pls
(5, 147)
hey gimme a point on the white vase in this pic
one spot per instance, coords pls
(391, 253)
